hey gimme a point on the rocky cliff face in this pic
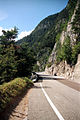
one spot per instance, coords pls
(76, 73)
(57, 36)
(63, 68)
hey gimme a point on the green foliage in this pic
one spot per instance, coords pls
(58, 49)
(15, 61)
(68, 53)
(8, 36)
(58, 52)
(28, 82)
(76, 27)
(25, 60)
(43, 56)
(64, 52)
(48, 31)
(75, 52)
(49, 64)
(42, 40)
(76, 24)
(64, 25)
(8, 63)
(36, 67)
(58, 37)
(9, 91)
(71, 6)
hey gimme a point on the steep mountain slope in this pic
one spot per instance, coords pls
(46, 35)
(65, 58)
(36, 41)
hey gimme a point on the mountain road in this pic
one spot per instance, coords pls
(54, 99)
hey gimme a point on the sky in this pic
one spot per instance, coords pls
(26, 14)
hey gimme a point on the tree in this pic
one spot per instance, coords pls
(8, 36)
(75, 52)
(8, 65)
(26, 60)
(8, 61)
(15, 61)
(64, 52)
(67, 50)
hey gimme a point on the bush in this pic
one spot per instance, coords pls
(67, 50)
(75, 52)
(8, 91)
(64, 52)
(29, 82)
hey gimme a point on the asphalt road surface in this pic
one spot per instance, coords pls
(54, 99)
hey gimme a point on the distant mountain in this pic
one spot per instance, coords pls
(43, 39)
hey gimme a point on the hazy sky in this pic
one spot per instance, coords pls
(26, 14)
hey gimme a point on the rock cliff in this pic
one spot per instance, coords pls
(56, 42)
(71, 72)
(65, 70)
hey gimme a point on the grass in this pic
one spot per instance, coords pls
(8, 91)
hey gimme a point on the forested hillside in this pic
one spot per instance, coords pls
(38, 40)
(47, 33)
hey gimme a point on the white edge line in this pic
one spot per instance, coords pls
(51, 104)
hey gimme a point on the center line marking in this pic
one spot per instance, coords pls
(51, 104)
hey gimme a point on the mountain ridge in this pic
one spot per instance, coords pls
(47, 33)
(65, 57)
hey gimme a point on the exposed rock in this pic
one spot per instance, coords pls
(69, 32)
(38, 63)
(64, 69)
(62, 38)
(47, 70)
(76, 76)
(52, 57)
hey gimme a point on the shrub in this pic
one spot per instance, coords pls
(8, 91)
(75, 52)
(29, 82)
(64, 52)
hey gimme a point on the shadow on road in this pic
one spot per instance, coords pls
(44, 75)
(50, 78)
(68, 83)
(10, 108)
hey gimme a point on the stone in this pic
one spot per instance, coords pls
(76, 76)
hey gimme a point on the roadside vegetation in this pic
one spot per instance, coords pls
(16, 64)
(15, 60)
(9, 91)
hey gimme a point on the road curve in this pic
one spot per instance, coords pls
(63, 95)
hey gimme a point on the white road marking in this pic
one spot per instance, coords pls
(51, 104)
